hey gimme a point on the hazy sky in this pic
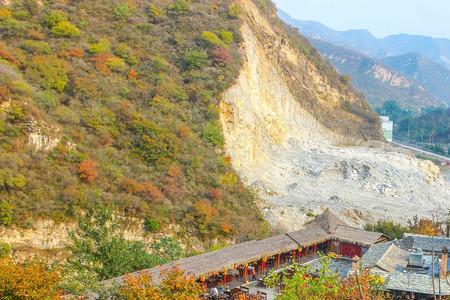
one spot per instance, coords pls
(381, 17)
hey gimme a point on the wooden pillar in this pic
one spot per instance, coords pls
(224, 274)
(246, 273)
(278, 260)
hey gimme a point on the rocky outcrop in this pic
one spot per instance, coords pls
(49, 239)
(43, 137)
(296, 161)
(393, 79)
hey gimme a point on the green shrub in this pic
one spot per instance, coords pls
(20, 87)
(13, 28)
(168, 249)
(9, 180)
(36, 47)
(234, 10)
(21, 15)
(66, 115)
(6, 213)
(172, 89)
(122, 12)
(124, 51)
(229, 179)
(212, 39)
(180, 6)
(102, 46)
(99, 118)
(160, 64)
(153, 142)
(155, 11)
(47, 100)
(151, 225)
(48, 71)
(212, 134)
(116, 64)
(53, 18)
(163, 105)
(15, 114)
(65, 29)
(5, 249)
(389, 228)
(196, 59)
(227, 37)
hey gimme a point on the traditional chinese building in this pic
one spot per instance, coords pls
(240, 263)
(416, 266)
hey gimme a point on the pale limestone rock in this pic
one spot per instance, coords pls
(298, 165)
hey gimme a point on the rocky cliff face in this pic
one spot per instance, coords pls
(285, 133)
(49, 239)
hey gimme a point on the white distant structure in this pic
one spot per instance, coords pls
(388, 128)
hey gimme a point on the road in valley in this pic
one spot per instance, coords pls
(413, 148)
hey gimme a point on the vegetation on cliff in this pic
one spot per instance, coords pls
(118, 100)
(333, 102)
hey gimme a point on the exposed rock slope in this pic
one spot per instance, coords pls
(293, 155)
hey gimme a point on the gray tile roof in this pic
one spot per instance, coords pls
(417, 241)
(387, 257)
(416, 283)
(340, 266)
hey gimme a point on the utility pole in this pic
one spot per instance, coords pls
(432, 268)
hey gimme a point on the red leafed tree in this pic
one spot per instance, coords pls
(215, 194)
(88, 170)
(222, 56)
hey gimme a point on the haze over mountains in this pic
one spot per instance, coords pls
(413, 70)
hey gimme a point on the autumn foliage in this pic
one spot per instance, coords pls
(175, 285)
(122, 83)
(29, 281)
(426, 227)
(222, 56)
(145, 188)
(87, 170)
(215, 194)
(324, 284)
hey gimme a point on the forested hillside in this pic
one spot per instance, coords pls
(118, 101)
(429, 128)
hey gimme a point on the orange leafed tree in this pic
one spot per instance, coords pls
(174, 171)
(88, 170)
(426, 227)
(174, 285)
(30, 281)
(139, 288)
(146, 188)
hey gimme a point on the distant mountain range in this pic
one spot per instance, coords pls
(374, 79)
(413, 70)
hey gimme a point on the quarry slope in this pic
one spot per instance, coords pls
(296, 161)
